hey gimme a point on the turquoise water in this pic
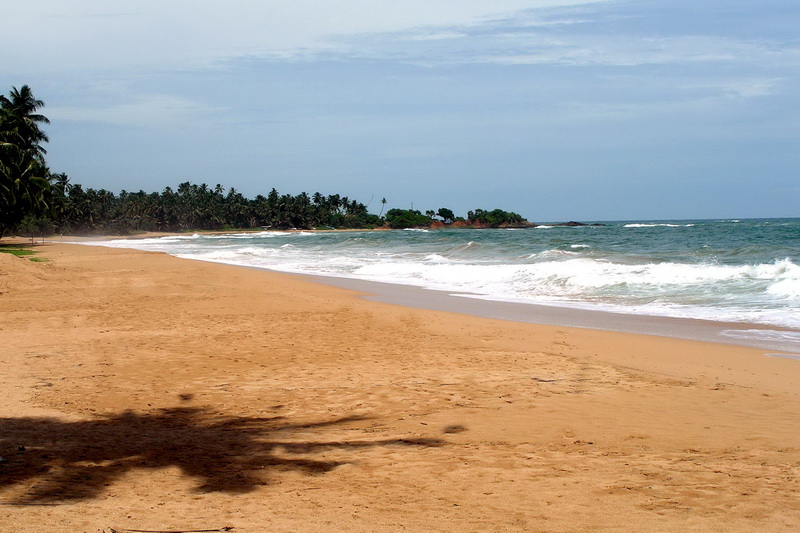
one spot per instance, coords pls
(744, 271)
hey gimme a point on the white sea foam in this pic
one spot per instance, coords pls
(551, 254)
(784, 340)
(662, 289)
(771, 334)
(786, 288)
(659, 225)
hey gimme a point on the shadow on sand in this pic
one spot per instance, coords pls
(60, 460)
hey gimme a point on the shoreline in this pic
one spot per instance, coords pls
(658, 329)
(148, 392)
(751, 334)
(691, 329)
(662, 330)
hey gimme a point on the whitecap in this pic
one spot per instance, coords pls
(658, 225)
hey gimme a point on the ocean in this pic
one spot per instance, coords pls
(735, 271)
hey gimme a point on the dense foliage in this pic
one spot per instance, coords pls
(23, 171)
(198, 207)
(406, 218)
(36, 201)
(494, 219)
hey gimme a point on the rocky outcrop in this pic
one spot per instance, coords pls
(572, 223)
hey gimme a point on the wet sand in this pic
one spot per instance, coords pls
(147, 392)
(737, 333)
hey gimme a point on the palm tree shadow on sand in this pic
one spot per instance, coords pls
(65, 460)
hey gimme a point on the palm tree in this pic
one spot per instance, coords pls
(23, 182)
(20, 119)
(24, 176)
(61, 183)
(58, 195)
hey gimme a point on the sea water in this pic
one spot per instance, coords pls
(745, 271)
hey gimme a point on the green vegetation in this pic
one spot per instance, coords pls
(448, 217)
(494, 219)
(199, 207)
(407, 218)
(23, 171)
(21, 252)
(36, 202)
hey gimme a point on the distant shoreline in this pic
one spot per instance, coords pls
(156, 234)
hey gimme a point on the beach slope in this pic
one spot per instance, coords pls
(146, 392)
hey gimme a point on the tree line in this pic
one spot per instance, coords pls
(196, 207)
(36, 201)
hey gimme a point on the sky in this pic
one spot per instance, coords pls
(555, 109)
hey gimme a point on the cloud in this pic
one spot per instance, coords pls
(540, 37)
(109, 34)
(89, 39)
(145, 111)
(740, 88)
(601, 50)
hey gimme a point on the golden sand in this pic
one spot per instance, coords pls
(145, 392)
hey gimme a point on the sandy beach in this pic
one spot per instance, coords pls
(146, 392)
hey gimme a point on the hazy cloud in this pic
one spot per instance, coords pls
(142, 111)
(108, 34)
